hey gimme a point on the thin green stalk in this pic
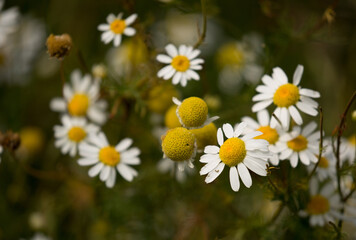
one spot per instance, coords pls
(203, 34)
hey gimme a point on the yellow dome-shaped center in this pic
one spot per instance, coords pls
(298, 144)
(318, 205)
(109, 156)
(170, 119)
(178, 144)
(180, 63)
(230, 54)
(286, 95)
(232, 152)
(205, 136)
(324, 163)
(269, 134)
(193, 112)
(78, 105)
(76, 134)
(118, 26)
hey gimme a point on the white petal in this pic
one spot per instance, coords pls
(250, 122)
(209, 166)
(125, 172)
(220, 137)
(264, 89)
(87, 161)
(239, 129)
(193, 54)
(279, 75)
(286, 154)
(208, 157)
(307, 109)
(228, 130)
(197, 61)
(96, 169)
(215, 173)
(309, 93)
(164, 58)
(130, 19)
(295, 115)
(256, 168)
(251, 135)
(244, 175)
(104, 27)
(124, 144)
(104, 174)
(192, 74)
(274, 123)
(308, 129)
(211, 149)
(111, 17)
(294, 160)
(234, 179)
(182, 50)
(263, 117)
(298, 75)
(110, 182)
(164, 71)
(131, 153)
(171, 50)
(267, 80)
(285, 118)
(131, 161)
(304, 158)
(58, 105)
(261, 105)
(262, 97)
(129, 31)
(177, 77)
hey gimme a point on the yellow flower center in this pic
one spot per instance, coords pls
(180, 63)
(269, 134)
(232, 152)
(178, 144)
(352, 139)
(32, 139)
(76, 134)
(298, 144)
(170, 119)
(118, 26)
(78, 105)
(318, 205)
(286, 95)
(109, 156)
(230, 54)
(205, 136)
(324, 163)
(193, 112)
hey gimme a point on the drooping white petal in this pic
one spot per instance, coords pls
(117, 40)
(304, 158)
(307, 108)
(256, 168)
(284, 117)
(244, 175)
(215, 173)
(209, 166)
(294, 160)
(94, 171)
(104, 174)
(295, 115)
(234, 179)
(110, 182)
(263, 117)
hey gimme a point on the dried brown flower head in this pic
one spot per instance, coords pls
(59, 45)
(10, 140)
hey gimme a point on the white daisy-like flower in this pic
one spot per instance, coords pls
(192, 113)
(73, 132)
(116, 26)
(166, 165)
(286, 97)
(323, 204)
(300, 144)
(182, 64)
(107, 158)
(8, 22)
(326, 168)
(81, 99)
(268, 133)
(348, 149)
(240, 154)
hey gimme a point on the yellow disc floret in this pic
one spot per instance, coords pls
(318, 205)
(286, 95)
(269, 134)
(109, 156)
(193, 112)
(180, 63)
(32, 139)
(298, 144)
(78, 105)
(160, 97)
(205, 136)
(118, 26)
(178, 144)
(233, 151)
(170, 119)
(76, 134)
(324, 163)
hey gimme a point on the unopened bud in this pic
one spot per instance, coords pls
(59, 45)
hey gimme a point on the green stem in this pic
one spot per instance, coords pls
(203, 34)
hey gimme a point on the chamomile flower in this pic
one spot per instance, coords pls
(170, 118)
(182, 64)
(348, 147)
(205, 136)
(240, 154)
(73, 132)
(115, 27)
(323, 204)
(193, 112)
(299, 144)
(286, 97)
(268, 133)
(81, 99)
(326, 168)
(107, 158)
(179, 145)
